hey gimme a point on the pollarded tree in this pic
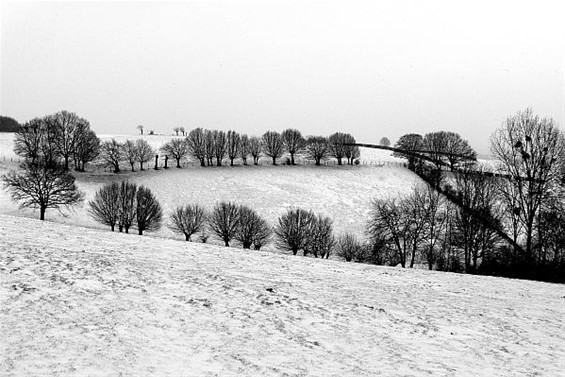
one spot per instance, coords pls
(140, 128)
(252, 229)
(42, 187)
(292, 229)
(130, 153)
(255, 148)
(188, 220)
(529, 149)
(209, 149)
(144, 152)
(385, 142)
(411, 143)
(351, 151)
(293, 142)
(176, 130)
(182, 130)
(149, 214)
(224, 221)
(317, 148)
(220, 146)
(197, 145)
(244, 148)
(176, 148)
(336, 145)
(273, 145)
(320, 238)
(105, 207)
(127, 206)
(233, 145)
(112, 153)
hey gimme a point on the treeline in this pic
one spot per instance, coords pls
(8, 124)
(215, 147)
(509, 224)
(125, 205)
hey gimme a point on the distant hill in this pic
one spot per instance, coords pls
(8, 124)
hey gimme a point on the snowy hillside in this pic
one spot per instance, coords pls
(78, 302)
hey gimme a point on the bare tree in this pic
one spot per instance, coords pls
(273, 145)
(220, 146)
(317, 148)
(35, 141)
(351, 151)
(127, 205)
(529, 148)
(176, 130)
(385, 142)
(42, 187)
(244, 148)
(252, 229)
(149, 214)
(255, 147)
(188, 220)
(87, 147)
(320, 238)
(144, 152)
(224, 221)
(182, 130)
(209, 147)
(64, 124)
(448, 148)
(112, 153)
(197, 145)
(410, 143)
(336, 146)
(176, 148)
(293, 142)
(348, 246)
(233, 145)
(432, 209)
(292, 229)
(129, 150)
(140, 128)
(105, 208)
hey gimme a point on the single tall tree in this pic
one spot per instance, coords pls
(176, 148)
(42, 187)
(293, 142)
(317, 148)
(224, 221)
(233, 145)
(273, 145)
(149, 214)
(197, 145)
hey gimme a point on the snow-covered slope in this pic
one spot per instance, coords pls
(78, 302)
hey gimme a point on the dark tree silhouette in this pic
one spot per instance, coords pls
(351, 152)
(140, 128)
(385, 142)
(129, 150)
(317, 148)
(255, 148)
(105, 207)
(233, 145)
(8, 124)
(220, 146)
(143, 152)
(112, 153)
(197, 145)
(273, 145)
(410, 143)
(336, 145)
(348, 247)
(29, 140)
(293, 142)
(244, 148)
(224, 221)
(42, 187)
(292, 229)
(252, 229)
(149, 214)
(320, 239)
(126, 201)
(176, 148)
(87, 147)
(188, 220)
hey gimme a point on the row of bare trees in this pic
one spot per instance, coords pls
(213, 146)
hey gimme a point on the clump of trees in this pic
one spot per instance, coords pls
(126, 205)
(299, 229)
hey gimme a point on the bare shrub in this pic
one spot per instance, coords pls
(292, 229)
(320, 239)
(104, 208)
(348, 247)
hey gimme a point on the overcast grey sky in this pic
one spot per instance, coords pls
(369, 68)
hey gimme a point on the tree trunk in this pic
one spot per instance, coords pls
(292, 159)
(231, 161)
(247, 245)
(112, 226)
(132, 166)
(339, 161)
(202, 162)
(178, 162)
(226, 243)
(140, 231)
(187, 237)
(294, 251)
(274, 160)
(42, 212)
(140, 165)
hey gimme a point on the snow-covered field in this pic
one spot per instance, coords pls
(80, 302)
(343, 193)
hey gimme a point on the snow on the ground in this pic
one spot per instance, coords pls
(343, 193)
(79, 302)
